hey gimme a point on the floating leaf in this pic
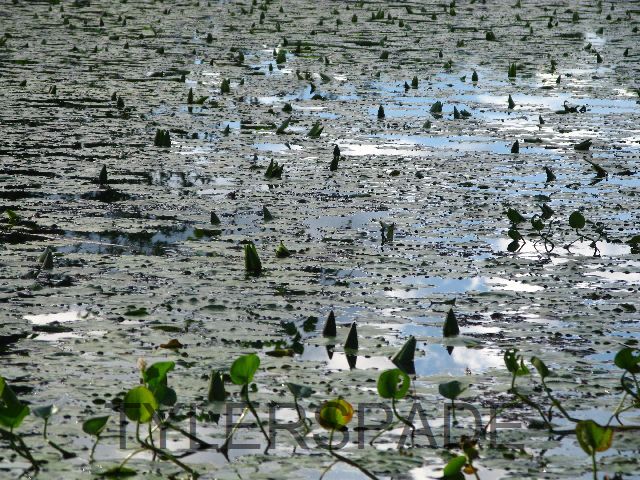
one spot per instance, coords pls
(119, 472)
(547, 211)
(281, 352)
(514, 234)
(172, 344)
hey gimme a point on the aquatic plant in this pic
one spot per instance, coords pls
(95, 426)
(142, 404)
(394, 384)
(316, 130)
(252, 263)
(225, 86)
(450, 327)
(162, 139)
(451, 391)
(102, 177)
(12, 413)
(352, 338)
(436, 108)
(329, 329)
(274, 170)
(242, 372)
(335, 415)
(282, 251)
(283, 127)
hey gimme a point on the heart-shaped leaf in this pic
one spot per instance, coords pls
(628, 359)
(542, 369)
(452, 390)
(299, 391)
(45, 411)
(12, 410)
(95, 425)
(593, 437)
(335, 414)
(576, 220)
(244, 368)
(454, 467)
(393, 383)
(140, 404)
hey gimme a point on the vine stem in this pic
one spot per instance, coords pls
(347, 460)
(403, 419)
(93, 449)
(21, 449)
(225, 446)
(255, 414)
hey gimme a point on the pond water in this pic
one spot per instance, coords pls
(137, 263)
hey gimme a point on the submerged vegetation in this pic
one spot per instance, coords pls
(472, 245)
